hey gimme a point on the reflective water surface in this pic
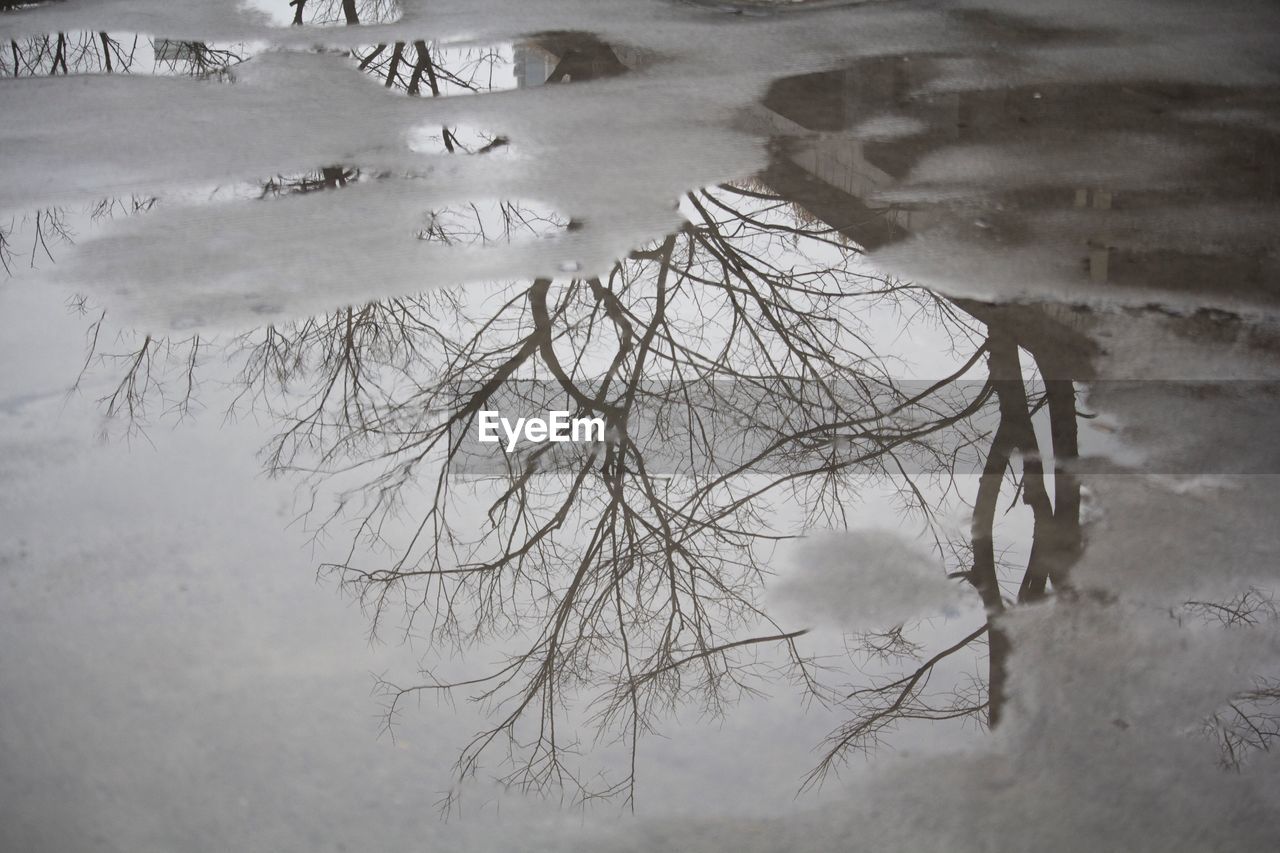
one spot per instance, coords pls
(935, 357)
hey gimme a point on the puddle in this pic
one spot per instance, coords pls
(490, 221)
(879, 377)
(79, 53)
(1016, 180)
(321, 13)
(425, 69)
(566, 57)
(459, 139)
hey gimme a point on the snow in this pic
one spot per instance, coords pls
(862, 580)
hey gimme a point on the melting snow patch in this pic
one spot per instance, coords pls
(863, 579)
(889, 127)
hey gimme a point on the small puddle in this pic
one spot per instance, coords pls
(328, 13)
(83, 53)
(491, 221)
(427, 69)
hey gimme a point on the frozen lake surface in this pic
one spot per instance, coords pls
(936, 350)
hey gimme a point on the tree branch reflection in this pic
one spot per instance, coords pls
(616, 586)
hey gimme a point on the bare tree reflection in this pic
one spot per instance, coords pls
(635, 587)
(424, 68)
(104, 53)
(617, 586)
(148, 380)
(618, 591)
(316, 12)
(98, 53)
(75, 53)
(1056, 542)
(48, 227)
(420, 67)
(1250, 721)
